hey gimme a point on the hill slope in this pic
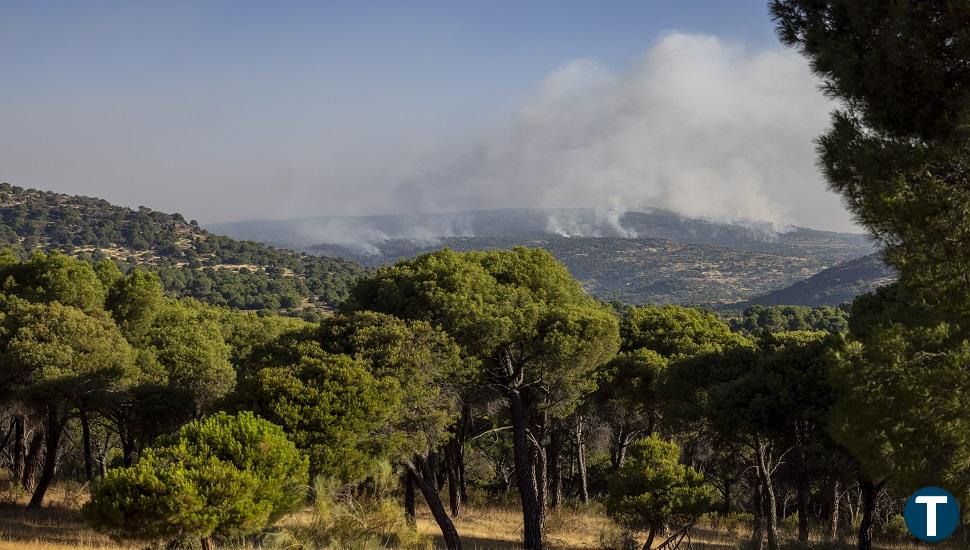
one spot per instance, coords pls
(636, 257)
(833, 286)
(388, 236)
(635, 271)
(190, 260)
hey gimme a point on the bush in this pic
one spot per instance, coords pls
(351, 517)
(613, 537)
(223, 475)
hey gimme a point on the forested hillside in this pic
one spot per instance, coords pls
(190, 261)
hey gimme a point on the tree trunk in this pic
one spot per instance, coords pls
(833, 534)
(466, 420)
(554, 468)
(86, 444)
(542, 478)
(651, 533)
(422, 475)
(769, 502)
(870, 492)
(758, 511)
(451, 463)
(522, 450)
(128, 449)
(19, 446)
(31, 458)
(51, 443)
(409, 499)
(803, 513)
(206, 543)
(726, 505)
(581, 463)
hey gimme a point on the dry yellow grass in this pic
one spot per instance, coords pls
(59, 527)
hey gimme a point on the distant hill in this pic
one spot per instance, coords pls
(384, 237)
(637, 257)
(833, 286)
(190, 260)
(638, 271)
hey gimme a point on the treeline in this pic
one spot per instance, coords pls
(497, 359)
(190, 261)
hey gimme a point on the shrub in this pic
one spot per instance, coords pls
(352, 517)
(223, 475)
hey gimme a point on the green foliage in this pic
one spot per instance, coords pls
(899, 147)
(223, 475)
(192, 353)
(760, 319)
(518, 305)
(189, 261)
(58, 355)
(900, 409)
(333, 408)
(426, 363)
(653, 487)
(134, 302)
(54, 277)
(675, 332)
(627, 396)
(787, 379)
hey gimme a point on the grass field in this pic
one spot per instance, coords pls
(59, 527)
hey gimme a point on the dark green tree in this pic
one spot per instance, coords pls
(537, 333)
(653, 487)
(898, 152)
(333, 407)
(675, 332)
(432, 376)
(59, 360)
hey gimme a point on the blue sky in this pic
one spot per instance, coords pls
(152, 103)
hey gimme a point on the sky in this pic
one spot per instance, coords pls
(238, 110)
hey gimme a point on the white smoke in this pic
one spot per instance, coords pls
(701, 127)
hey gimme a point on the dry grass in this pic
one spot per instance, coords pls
(496, 527)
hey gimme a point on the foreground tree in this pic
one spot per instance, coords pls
(537, 333)
(898, 152)
(653, 487)
(904, 357)
(431, 375)
(60, 360)
(223, 476)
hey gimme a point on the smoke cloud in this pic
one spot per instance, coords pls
(701, 127)
(698, 126)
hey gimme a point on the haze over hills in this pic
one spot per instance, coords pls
(653, 256)
(380, 236)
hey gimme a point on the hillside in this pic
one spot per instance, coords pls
(833, 286)
(190, 260)
(637, 257)
(637, 270)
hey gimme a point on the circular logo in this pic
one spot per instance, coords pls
(931, 514)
